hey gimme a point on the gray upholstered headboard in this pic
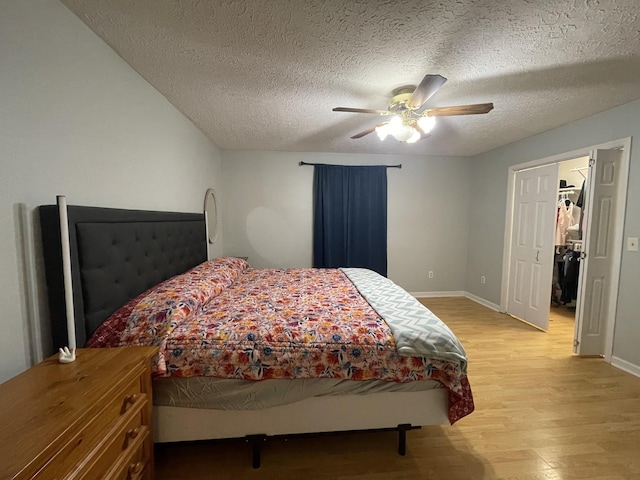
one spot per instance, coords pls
(115, 255)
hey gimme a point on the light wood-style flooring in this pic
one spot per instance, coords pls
(541, 413)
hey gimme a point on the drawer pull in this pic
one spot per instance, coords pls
(129, 400)
(135, 469)
(133, 433)
(130, 435)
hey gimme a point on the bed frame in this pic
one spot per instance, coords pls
(118, 254)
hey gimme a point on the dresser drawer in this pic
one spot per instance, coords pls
(134, 464)
(118, 445)
(77, 455)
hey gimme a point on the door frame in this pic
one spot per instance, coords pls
(625, 144)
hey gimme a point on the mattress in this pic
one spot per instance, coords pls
(231, 394)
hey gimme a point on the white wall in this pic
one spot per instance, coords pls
(267, 213)
(488, 206)
(75, 119)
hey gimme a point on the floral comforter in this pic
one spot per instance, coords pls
(224, 319)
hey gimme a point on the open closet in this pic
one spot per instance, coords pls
(569, 233)
(546, 240)
(564, 241)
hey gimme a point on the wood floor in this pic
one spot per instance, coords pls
(541, 413)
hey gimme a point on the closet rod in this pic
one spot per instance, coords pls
(388, 166)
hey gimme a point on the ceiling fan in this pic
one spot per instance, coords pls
(411, 122)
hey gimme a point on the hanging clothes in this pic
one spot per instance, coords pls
(570, 270)
(564, 220)
(573, 231)
(558, 276)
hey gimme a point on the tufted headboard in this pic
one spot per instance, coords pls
(115, 255)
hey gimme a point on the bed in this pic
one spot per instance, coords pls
(224, 370)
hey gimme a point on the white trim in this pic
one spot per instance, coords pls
(482, 301)
(506, 246)
(628, 367)
(458, 293)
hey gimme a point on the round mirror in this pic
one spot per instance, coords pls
(211, 215)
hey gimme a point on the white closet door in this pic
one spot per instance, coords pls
(596, 268)
(532, 245)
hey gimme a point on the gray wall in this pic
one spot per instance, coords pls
(488, 208)
(77, 120)
(268, 200)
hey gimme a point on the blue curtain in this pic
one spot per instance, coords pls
(350, 217)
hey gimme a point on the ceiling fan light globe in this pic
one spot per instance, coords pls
(426, 124)
(382, 131)
(404, 133)
(415, 137)
(395, 125)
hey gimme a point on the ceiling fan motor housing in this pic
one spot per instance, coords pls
(400, 97)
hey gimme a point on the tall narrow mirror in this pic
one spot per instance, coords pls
(211, 216)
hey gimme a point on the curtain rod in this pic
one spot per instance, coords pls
(388, 166)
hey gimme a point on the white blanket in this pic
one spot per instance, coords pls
(416, 330)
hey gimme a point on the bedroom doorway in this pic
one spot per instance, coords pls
(601, 248)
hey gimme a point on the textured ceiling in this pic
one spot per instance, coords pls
(265, 74)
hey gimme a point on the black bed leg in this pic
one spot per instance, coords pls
(255, 441)
(402, 438)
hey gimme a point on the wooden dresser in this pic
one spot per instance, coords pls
(89, 419)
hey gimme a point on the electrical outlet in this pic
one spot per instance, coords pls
(430, 273)
(483, 279)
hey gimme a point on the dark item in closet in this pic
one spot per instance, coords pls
(568, 273)
(580, 201)
(580, 204)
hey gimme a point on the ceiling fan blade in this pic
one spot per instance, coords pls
(362, 110)
(429, 85)
(459, 110)
(367, 131)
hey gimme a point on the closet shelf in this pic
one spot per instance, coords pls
(580, 170)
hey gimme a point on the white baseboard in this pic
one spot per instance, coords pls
(459, 293)
(437, 294)
(626, 366)
(484, 302)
